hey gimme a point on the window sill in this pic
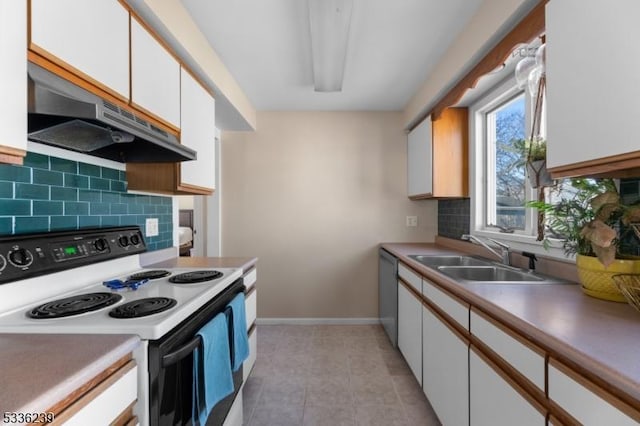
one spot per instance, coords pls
(520, 242)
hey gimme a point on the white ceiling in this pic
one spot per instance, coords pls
(393, 46)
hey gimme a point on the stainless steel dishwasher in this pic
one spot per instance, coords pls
(388, 294)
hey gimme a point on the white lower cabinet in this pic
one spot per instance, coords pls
(106, 402)
(495, 400)
(445, 369)
(410, 329)
(585, 402)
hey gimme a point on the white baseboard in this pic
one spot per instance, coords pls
(317, 321)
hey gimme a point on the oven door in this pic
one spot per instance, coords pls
(171, 368)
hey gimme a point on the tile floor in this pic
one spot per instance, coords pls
(332, 375)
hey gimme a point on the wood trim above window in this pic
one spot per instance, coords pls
(530, 27)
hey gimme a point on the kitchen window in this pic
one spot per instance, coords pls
(500, 122)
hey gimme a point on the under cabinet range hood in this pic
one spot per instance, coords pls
(65, 115)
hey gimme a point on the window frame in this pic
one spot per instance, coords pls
(478, 175)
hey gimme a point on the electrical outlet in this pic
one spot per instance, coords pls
(151, 227)
(412, 221)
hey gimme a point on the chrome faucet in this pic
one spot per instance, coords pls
(503, 255)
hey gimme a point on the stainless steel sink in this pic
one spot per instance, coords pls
(469, 269)
(435, 261)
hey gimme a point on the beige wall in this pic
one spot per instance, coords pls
(312, 194)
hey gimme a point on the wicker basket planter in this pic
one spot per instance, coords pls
(598, 282)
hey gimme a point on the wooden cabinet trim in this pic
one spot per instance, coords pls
(73, 402)
(125, 417)
(410, 288)
(250, 292)
(76, 72)
(629, 410)
(12, 155)
(530, 27)
(507, 378)
(193, 189)
(417, 197)
(452, 325)
(509, 332)
(252, 329)
(615, 166)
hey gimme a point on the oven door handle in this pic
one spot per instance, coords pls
(175, 356)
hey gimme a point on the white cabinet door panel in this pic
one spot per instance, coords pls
(410, 277)
(528, 362)
(581, 403)
(420, 159)
(108, 405)
(13, 84)
(592, 91)
(493, 401)
(155, 76)
(91, 36)
(410, 330)
(445, 370)
(198, 132)
(453, 308)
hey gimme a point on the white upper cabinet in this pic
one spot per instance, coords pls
(198, 132)
(155, 76)
(419, 160)
(87, 36)
(593, 93)
(13, 82)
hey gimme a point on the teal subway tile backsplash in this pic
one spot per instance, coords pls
(51, 194)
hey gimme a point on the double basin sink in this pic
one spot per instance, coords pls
(469, 269)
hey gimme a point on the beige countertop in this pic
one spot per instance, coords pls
(40, 370)
(245, 263)
(600, 338)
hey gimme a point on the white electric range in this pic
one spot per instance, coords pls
(91, 282)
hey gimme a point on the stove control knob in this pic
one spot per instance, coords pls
(123, 241)
(100, 244)
(135, 239)
(20, 257)
(3, 262)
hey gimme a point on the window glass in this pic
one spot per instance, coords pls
(506, 190)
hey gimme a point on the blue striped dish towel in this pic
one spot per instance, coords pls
(240, 336)
(212, 377)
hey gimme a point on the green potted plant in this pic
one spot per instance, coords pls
(592, 221)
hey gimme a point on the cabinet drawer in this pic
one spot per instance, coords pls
(528, 360)
(251, 307)
(106, 401)
(410, 277)
(458, 311)
(586, 402)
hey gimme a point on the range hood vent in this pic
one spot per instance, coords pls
(65, 115)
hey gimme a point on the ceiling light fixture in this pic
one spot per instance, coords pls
(329, 22)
